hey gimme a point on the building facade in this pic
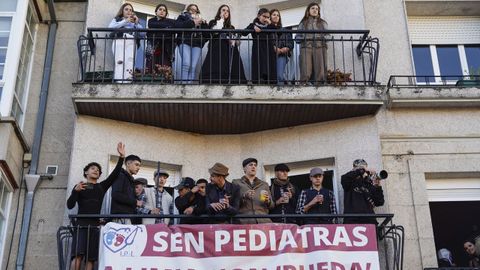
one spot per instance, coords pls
(423, 130)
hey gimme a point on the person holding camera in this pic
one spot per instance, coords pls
(362, 192)
(89, 196)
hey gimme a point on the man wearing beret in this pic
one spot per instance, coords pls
(255, 195)
(283, 193)
(222, 197)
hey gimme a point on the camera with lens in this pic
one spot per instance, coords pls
(382, 175)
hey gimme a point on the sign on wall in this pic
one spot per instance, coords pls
(238, 247)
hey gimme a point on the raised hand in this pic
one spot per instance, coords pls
(121, 149)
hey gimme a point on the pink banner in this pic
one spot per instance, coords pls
(238, 247)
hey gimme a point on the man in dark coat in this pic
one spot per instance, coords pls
(124, 200)
(362, 192)
(190, 201)
(284, 194)
(222, 197)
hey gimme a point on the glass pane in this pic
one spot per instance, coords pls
(4, 199)
(2, 194)
(3, 55)
(449, 62)
(1, 71)
(422, 59)
(473, 59)
(8, 5)
(5, 23)
(4, 39)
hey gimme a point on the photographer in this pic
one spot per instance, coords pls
(362, 192)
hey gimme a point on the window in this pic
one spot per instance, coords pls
(5, 198)
(422, 59)
(5, 25)
(449, 61)
(24, 66)
(472, 53)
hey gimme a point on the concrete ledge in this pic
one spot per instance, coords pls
(170, 93)
(437, 97)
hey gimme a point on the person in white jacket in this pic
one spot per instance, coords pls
(158, 199)
(124, 45)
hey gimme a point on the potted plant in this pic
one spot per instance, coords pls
(473, 78)
(159, 73)
(336, 77)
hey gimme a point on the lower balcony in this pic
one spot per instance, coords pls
(220, 245)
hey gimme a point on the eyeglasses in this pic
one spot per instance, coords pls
(266, 16)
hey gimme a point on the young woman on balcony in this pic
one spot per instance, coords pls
(223, 63)
(283, 46)
(313, 48)
(190, 43)
(160, 44)
(124, 44)
(264, 63)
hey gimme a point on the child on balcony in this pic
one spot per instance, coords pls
(123, 45)
(264, 61)
(312, 46)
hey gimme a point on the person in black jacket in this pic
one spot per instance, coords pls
(124, 199)
(190, 201)
(362, 192)
(222, 197)
(283, 45)
(89, 196)
(264, 60)
(223, 63)
(284, 194)
(161, 44)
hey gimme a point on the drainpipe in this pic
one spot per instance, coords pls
(32, 179)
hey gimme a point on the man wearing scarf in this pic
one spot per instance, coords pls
(284, 194)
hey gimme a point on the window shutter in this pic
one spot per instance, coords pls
(444, 30)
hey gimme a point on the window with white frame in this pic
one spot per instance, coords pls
(5, 198)
(24, 67)
(446, 47)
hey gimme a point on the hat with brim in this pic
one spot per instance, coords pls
(219, 169)
(282, 168)
(186, 182)
(248, 161)
(161, 172)
(316, 171)
(142, 181)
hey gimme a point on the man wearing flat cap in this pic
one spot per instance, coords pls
(255, 195)
(316, 200)
(284, 194)
(140, 184)
(159, 198)
(362, 192)
(189, 201)
(222, 197)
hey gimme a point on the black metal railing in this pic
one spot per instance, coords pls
(392, 236)
(228, 57)
(451, 268)
(410, 81)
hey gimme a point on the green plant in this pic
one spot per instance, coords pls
(473, 73)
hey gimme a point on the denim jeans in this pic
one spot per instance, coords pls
(281, 64)
(190, 57)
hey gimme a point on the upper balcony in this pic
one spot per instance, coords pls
(138, 76)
